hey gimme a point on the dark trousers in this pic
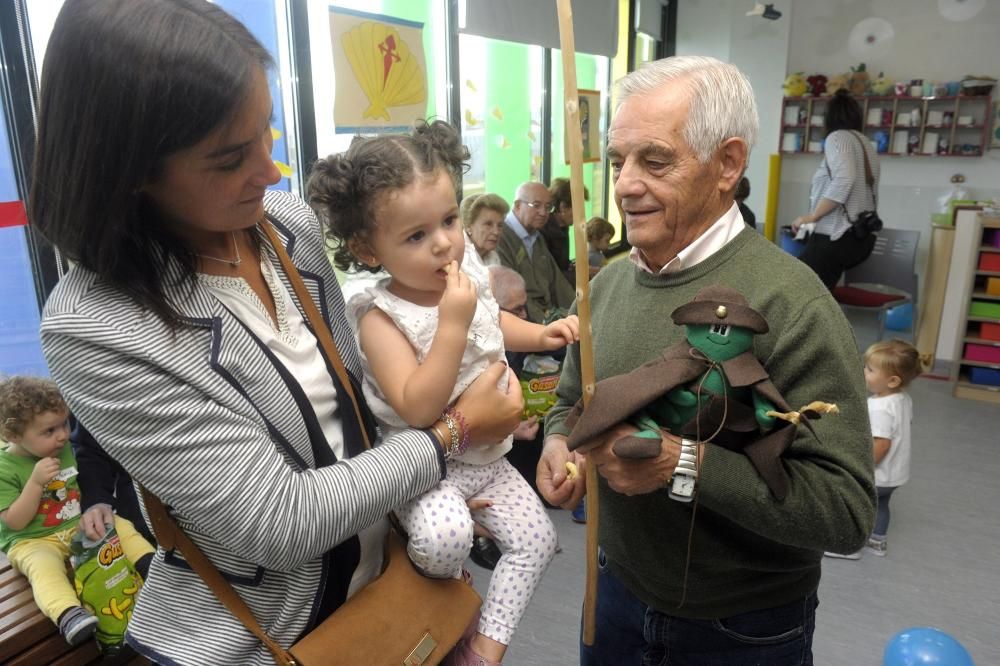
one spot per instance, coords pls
(882, 512)
(829, 258)
(629, 634)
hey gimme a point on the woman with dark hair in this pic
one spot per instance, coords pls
(556, 230)
(839, 193)
(178, 339)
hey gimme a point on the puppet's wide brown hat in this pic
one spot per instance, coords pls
(719, 305)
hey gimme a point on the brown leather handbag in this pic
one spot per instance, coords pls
(401, 617)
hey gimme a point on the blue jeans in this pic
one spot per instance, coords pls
(882, 513)
(630, 634)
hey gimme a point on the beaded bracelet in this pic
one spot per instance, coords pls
(457, 416)
(454, 445)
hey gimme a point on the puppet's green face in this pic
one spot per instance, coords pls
(719, 342)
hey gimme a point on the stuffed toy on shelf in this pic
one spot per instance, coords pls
(883, 85)
(836, 82)
(817, 84)
(858, 82)
(795, 84)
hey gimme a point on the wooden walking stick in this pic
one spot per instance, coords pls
(575, 148)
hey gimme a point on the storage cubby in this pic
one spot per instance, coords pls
(976, 371)
(913, 126)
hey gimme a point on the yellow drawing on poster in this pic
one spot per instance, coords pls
(382, 63)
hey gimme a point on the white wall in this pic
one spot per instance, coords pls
(926, 46)
(812, 37)
(721, 29)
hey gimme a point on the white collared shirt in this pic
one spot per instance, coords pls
(714, 239)
(528, 238)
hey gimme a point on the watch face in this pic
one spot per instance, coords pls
(683, 485)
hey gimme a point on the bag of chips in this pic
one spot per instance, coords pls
(539, 379)
(106, 583)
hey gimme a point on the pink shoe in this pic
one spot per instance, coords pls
(463, 655)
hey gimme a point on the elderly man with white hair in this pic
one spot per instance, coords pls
(701, 562)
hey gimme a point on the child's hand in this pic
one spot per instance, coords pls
(458, 303)
(45, 470)
(560, 333)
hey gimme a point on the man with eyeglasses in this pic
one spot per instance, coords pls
(522, 248)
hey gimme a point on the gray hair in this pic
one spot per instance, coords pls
(722, 101)
(504, 280)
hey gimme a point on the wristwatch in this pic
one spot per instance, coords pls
(686, 473)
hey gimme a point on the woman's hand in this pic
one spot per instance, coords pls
(458, 303)
(94, 520)
(491, 413)
(560, 333)
(800, 220)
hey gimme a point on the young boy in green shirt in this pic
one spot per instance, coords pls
(40, 501)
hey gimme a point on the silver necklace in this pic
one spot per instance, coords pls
(232, 262)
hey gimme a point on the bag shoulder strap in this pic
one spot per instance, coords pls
(170, 536)
(320, 329)
(168, 532)
(869, 178)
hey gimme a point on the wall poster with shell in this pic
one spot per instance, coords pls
(381, 75)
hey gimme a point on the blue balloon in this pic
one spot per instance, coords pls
(925, 646)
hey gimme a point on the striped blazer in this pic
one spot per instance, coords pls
(208, 420)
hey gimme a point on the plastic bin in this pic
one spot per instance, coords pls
(989, 261)
(788, 242)
(988, 331)
(982, 353)
(987, 376)
(900, 318)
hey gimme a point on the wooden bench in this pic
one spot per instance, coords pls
(28, 638)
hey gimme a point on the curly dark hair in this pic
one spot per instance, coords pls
(22, 399)
(345, 189)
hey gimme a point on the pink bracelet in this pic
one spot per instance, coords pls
(457, 415)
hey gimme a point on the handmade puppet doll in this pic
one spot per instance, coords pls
(709, 387)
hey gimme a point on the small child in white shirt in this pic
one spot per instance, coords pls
(890, 366)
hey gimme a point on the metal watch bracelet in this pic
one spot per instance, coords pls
(684, 480)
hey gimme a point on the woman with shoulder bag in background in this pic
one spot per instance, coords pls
(840, 194)
(179, 340)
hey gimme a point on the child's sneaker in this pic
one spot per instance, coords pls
(856, 555)
(77, 625)
(877, 547)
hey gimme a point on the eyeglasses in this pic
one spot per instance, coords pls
(518, 310)
(538, 205)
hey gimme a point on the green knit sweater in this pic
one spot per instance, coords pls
(748, 551)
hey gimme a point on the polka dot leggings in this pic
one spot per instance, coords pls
(440, 528)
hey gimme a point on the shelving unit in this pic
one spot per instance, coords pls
(976, 372)
(945, 137)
